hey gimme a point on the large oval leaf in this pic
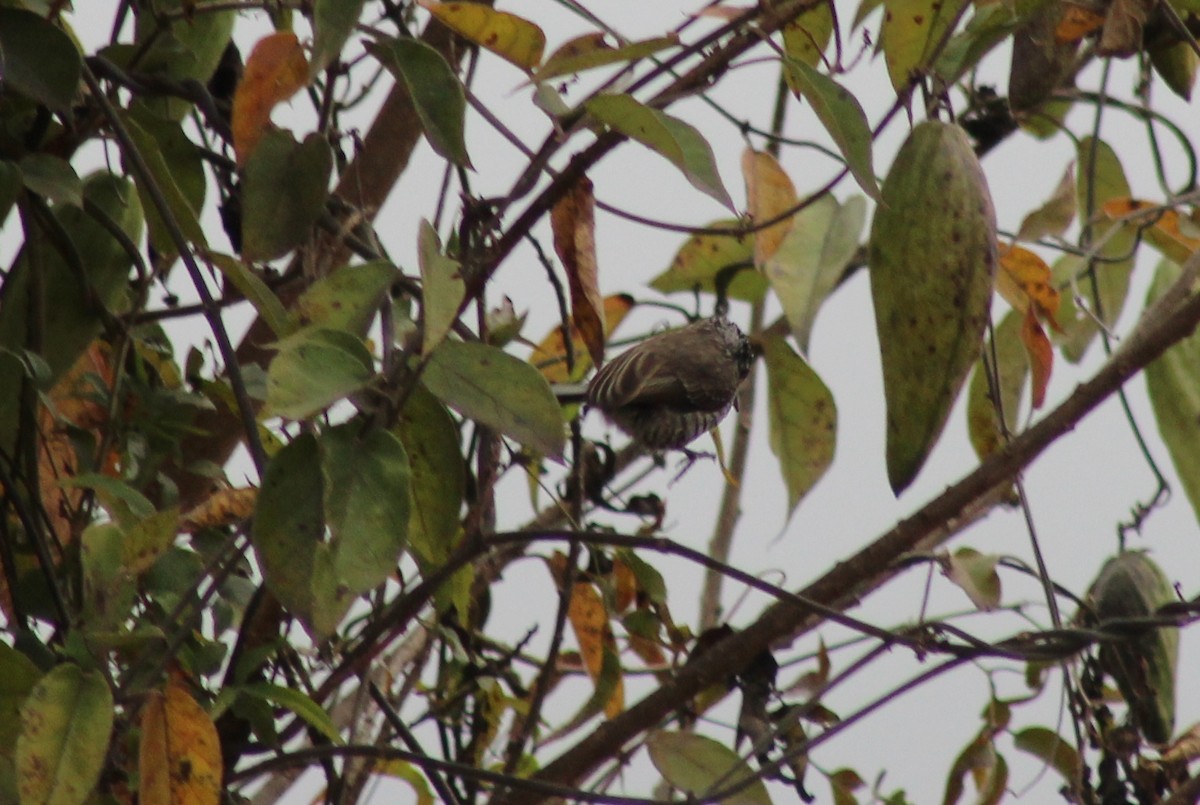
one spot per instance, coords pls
(932, 265)
(437, 94)
(803, 419)
(694, 763)
(1175, 396)
(315, 368)
(486, 384)
(65, 726)
(283, 192)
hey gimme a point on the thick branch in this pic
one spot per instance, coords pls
(874, 564)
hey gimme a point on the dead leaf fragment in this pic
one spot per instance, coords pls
(179, 759)
(1026, 281)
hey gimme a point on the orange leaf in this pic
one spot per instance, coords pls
(222, 507)
(550, 355)
(624, 583)
(1041, 356)
(589, 621)
(1024, 278)
(510, 37)
(769, 193)
(276, 70)
(1162, 227)
(574, 226)
(179, 760)
(1076, 23)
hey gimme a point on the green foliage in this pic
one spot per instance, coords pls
(186, 621)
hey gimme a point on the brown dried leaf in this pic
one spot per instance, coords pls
(573, 223)
(1041, 356)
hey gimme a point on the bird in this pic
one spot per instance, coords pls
(674, 386)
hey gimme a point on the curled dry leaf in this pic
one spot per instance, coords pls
(574, 225)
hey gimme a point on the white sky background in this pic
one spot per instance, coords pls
(1079, 490)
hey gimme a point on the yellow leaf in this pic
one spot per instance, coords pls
(223, 507)
(1025, 278)
(549, 357)
(276, 70)
(179, 760)
(624, 584)
(589, 620)
(512, 38)
(769, 193)
(1160, 226)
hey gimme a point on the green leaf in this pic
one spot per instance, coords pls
(983, 423)
(39, 60)
(66, 723)
(248, 283)
(932, 264)
(495, 389)
(436, 93)
(333, 22)
(189, 48)
(439, 474)
(308, 710)
(975, 573)
(18, 675)
(52, 177)
(108, 586)
(806, 37)
(77, 314)
(157, 141)
(367, 493)
(442, 288)
(911, 31)
(679, 142)
(1099, 178)
(283, 193)
(347, 299)
(1045, 745)
(843, 117)
(693, 764)
(315, 368)
(124, 504)
(592, 52)
(289, 523)
(1175, 395)
(802, 417)
(812, 257)
(703, 256)
(990, 25)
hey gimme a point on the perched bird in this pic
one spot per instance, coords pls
(676, 385)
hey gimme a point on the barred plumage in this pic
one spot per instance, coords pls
(676, 385)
